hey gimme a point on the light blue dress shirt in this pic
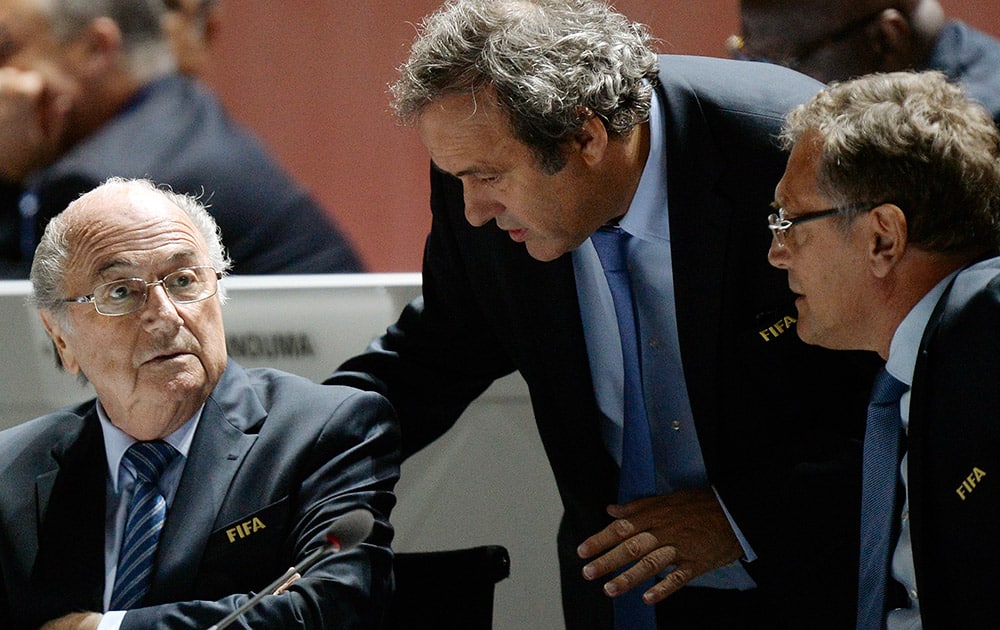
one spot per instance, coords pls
(679, 462)
(121, 483)
(901, 364)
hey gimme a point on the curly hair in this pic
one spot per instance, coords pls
(549, 64)
(915, 140)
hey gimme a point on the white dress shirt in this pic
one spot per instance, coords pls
(120, 486)
(677, 452)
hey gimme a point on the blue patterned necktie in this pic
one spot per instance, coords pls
(878, 494)
(146, 514)
(637, 470)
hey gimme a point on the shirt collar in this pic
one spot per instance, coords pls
(116, 441)
(906, 340)
(646, 217)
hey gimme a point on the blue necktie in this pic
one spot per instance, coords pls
(878, 494)
(637, 477)
(146, 514)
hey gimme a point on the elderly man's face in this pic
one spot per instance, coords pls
(153, 368)
(470, 138)
(826, 266)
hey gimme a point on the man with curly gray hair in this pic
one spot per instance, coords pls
(693, 492)
(906, 171)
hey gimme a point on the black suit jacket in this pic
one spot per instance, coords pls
(175, 132)
(779, 422)
(953, 447)
(271, 449)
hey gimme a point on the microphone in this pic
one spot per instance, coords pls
(344, 534)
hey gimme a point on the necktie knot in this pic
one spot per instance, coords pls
(149, 459)
(887, 388)
(611, 244)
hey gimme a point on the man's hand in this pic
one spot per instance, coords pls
(75, 621)
(687, 529)
(33, 118)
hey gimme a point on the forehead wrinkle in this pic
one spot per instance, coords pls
(104, 246)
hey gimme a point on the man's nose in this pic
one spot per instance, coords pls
(159, 310)
(480, 209)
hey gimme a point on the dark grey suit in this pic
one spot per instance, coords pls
(971, 58)
(269, 446)
(779, 422)
(175, 132)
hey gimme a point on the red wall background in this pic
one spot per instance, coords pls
(311, 78)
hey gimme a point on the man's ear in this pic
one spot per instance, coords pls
(64, 354)
(892, 40)
(887, 238)
(592, 139)
(98, 48)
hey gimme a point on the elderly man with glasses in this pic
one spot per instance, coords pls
(189, 482)
(906, 266)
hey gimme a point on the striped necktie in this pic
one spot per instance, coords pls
(637, 477)
(146, 513)
(878, 498)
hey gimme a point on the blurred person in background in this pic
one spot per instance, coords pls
(89, 89)
(833, 40)
(192, 26)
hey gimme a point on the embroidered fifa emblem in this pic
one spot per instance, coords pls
(970, 482)
(778, 328)
(244, 529)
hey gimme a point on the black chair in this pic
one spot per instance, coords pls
(447, 590)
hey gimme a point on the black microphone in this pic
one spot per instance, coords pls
(344, 534)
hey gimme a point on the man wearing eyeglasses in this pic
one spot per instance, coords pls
(189, 483)
(889, 228)
(837, 40)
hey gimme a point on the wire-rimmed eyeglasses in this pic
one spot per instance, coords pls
(779, 224)
(128, 295)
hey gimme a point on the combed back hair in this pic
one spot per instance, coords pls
(147, 50)
(914, 140)
(550, 64)
(48, 269)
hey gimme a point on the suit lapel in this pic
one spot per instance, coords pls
(69, 569)
(699, 244)
(217, 452)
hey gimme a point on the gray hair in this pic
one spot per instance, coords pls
(914, 140)
(147, 51)
(548, 62)
(48, 269)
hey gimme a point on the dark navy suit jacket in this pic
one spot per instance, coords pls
(953, 447)
(779, 422)
(271, 449)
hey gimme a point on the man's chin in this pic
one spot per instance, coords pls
(543, 252)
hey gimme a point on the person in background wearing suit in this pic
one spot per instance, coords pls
(902, 174)
(547, 121)
(842, 39)
(256, 464)
(88, 90)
